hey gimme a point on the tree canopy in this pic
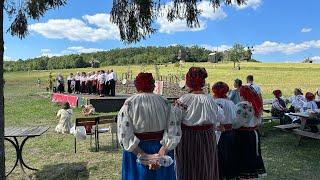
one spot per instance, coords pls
(135, 17)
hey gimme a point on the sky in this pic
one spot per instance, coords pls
(279, 31)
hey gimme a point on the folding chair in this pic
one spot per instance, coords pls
(88, 123)
(108, 119)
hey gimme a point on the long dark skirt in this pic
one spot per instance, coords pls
(227, 155)
(196, 156)
(69, 86)
(61, 88)
(250, 161)
(83, 87)
(77, 86)
(131, 170)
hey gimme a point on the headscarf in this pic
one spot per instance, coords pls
(310, 96)
(220, 89)
(144, 82)
(277, 93)
(195, 78)
(251, 96)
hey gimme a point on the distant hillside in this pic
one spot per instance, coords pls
(139, 55)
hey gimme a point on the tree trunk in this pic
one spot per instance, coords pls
(2, 158)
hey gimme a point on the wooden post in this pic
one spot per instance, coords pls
(2, 154)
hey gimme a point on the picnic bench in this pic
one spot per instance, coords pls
(12, 134)
(301, 132)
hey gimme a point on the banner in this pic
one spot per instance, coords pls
(158, 87)
(61, 98)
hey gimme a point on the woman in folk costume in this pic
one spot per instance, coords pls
(78, 83)
(147, 127)
(101, 82)
(196, 154)
(279, 108)
(226, 146)
(69, 80)
(248, 112)
(311, 106)
(83, 80)
(297, 100)
(64, 115)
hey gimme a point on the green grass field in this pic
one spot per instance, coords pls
(53, 153)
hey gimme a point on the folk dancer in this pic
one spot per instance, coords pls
(148, 128)
(196, 155)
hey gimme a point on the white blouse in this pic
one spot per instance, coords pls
(101, 78)
(147, 112)
(198, 109)
(310, 105)
(229, 109)
(245, 115)
(64, 115)
(77, 78)
(297, 101)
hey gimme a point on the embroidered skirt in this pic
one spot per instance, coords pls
(196, 155)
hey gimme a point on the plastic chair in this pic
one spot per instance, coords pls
(108, 119)
(88, 123)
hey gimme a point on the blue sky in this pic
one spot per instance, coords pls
(279, 31)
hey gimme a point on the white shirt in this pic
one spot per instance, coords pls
(77, 78)
(297, 101)
(111, 76)
(70, 78)
(83, 79)
(229, 109)
(310, 105)
(101, 79)
(198, 109)
(64, 115)
(255, 87)
(147, 112)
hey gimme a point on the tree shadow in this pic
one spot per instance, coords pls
(77, 170)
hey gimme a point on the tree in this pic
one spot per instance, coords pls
(135, 18)
(20, 13)
(236, 53)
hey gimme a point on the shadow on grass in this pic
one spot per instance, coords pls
(107, 148)
(64, 171)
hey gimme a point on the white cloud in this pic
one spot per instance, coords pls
(208, 12)
(69, 50)
(315, 58)
(80, 49)
(216, 48)
(78, 30)
(268, 47)
(178, 25)
(45, 50)
(254, 4)
(306, 30)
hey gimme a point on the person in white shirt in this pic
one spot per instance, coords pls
(83, 80)
(94, 82)
(101, 82)
(147, 128)
(249, 111)
(107, 83)
(196, 154)
(78, 83)
(311, 107)
(252, 85)
(297, 100)
(64, 115)
(111, 80)
(227, 144)
(70, 78)
(279, 108)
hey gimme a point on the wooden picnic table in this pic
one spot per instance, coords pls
(301, 132)
(12, 134)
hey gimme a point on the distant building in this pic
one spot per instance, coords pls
(215, 57)
(307, 60)
(182, 55)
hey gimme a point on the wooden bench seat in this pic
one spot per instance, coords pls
(287, 126)
(307, 134)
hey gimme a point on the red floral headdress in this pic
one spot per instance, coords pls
(310, 96)
(144, 82)
(195, 78)
(277, 93)
(220, 89)
(251, 96)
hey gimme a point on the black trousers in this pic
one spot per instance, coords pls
(112, 84)
(69, 86)
(107, 88)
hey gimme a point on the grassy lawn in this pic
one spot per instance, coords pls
(53, 153)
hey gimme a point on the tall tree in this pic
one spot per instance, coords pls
(135, 18)
(19, 12)
(236, 53)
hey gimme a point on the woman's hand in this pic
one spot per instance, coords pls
(163, 151)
